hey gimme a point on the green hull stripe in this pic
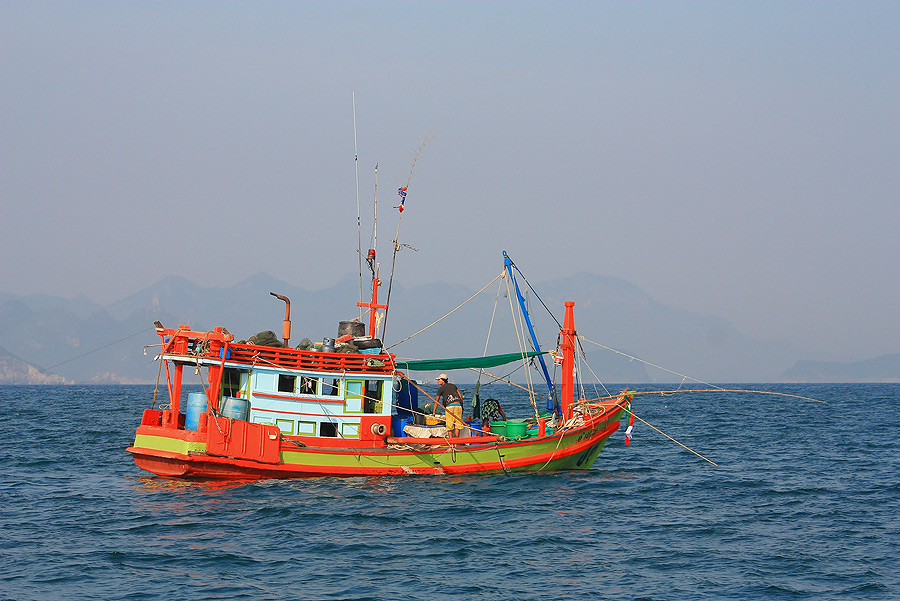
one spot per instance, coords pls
(539, 455)
(170, 445)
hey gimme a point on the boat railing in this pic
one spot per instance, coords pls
(289, 358)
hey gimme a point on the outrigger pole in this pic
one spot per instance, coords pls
(551, 398)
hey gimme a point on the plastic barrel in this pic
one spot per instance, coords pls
(475, 426)
(397, 425)
(196, 404)
(235, 408)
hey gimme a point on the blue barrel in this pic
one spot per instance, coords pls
(475, 426)
(196, 404)
(398, 423)
(235, 408)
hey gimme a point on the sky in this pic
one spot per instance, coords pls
(736, 159)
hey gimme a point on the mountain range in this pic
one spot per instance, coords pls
(626, 335)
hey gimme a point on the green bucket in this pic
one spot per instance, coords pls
(498, 428)
(515, 429)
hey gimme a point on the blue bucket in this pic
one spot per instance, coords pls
(475, 426)
(235, 408)
(397, 425)
(196, 404)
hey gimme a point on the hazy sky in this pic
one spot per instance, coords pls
(734, 159)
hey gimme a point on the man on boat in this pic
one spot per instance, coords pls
(449, 396)
(491, 411)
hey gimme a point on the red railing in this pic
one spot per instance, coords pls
(302, 360)
(212, 345)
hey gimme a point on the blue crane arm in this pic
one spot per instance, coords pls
(508, 264)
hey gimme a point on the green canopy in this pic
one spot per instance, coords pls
(463, 362)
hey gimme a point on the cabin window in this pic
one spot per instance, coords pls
(231, 382)
(285, 425)
(306, 428)
(332, 388)
(353, 396)
(373, 402)
(309, 385)
(328, 429)
(286, 383)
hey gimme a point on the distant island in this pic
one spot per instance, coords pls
(881, 369)
(15, 371)
(627, 336)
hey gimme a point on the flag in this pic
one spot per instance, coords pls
(401, 192)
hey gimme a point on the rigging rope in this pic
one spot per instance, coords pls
(633, 358)
(99, 348)
(645, 422)
(716, 389)
(520, 339)
(445, 316)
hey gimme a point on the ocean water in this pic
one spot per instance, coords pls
(804, 504)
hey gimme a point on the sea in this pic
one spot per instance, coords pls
(803, 502)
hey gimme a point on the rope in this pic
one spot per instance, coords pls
(537, 295)
(645, 422)
(633, 358)
(500, 378)
(590, 369)
(712, 387)
(159, 357)
(715, 389)
(445, 316)
(520, 336)
(99, 348)
(553, 454)
(488, 341)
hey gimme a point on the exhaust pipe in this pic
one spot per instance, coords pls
(286, 325)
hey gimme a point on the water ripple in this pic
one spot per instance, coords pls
(805, 504)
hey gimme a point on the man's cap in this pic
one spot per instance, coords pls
(442, 377)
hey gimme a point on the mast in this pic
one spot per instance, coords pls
(567, 346)
(374, 225)
(373, 305)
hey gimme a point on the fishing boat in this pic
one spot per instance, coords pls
(349, 407)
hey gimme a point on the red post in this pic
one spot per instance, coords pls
(567, 346)
(179, 346)
(373, 305)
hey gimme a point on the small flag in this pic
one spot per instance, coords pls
(401, 192)
(630, 427)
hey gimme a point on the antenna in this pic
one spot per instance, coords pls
(374, 226)
(358, 221)
(402, 192)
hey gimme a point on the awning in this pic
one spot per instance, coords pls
(463, 362)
